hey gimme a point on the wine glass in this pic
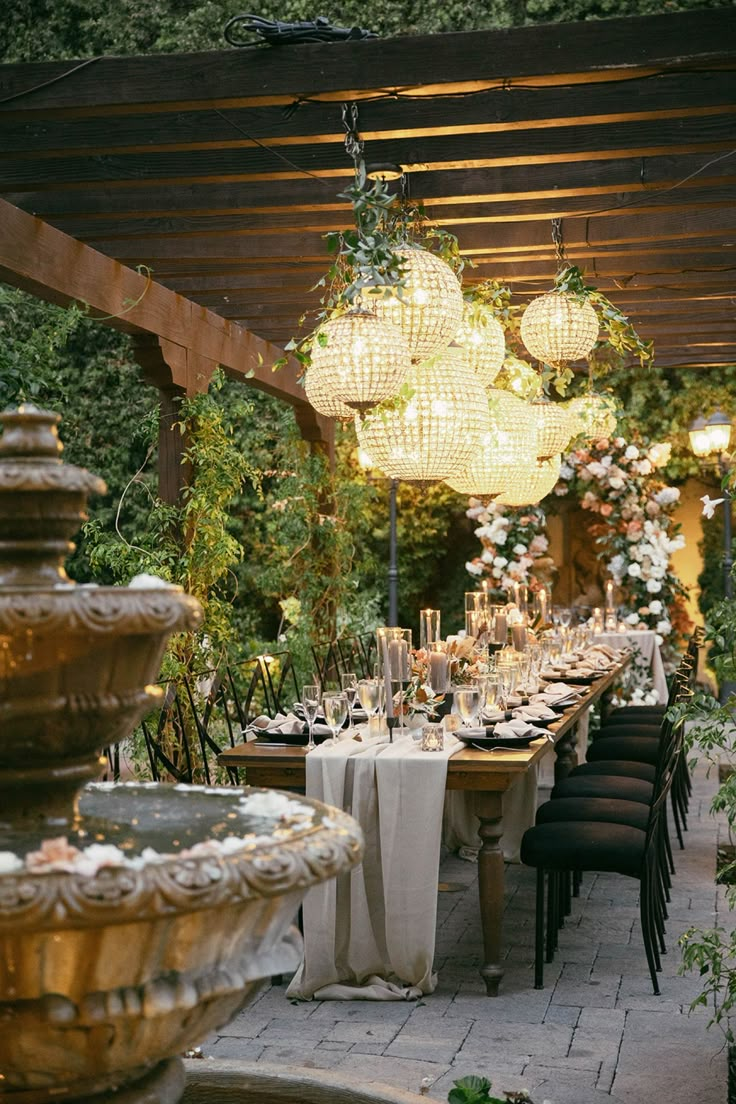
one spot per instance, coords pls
(310, 705)
(565, 617)
(369, 696)
(467, 700)
(335, 705)
(349, 684)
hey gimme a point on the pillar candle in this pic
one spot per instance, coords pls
(518, 635)
(609, 594)
(500, 628)
(542, 596)
(438, 672)
(387, 677)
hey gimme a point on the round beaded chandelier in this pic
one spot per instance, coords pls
(555, 426)
(508, 444)
(557, 328)
(323, 401)
(428, 310)
(482, 335)
(529, 485)
(359, 359)
(593, 415)
(436, 433)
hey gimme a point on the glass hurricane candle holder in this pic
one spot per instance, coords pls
(438, 668)
(429, 627)
(433, 737)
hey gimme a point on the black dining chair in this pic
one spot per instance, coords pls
(634, 849)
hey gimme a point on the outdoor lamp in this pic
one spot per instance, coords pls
(699, 437)
(718, 428)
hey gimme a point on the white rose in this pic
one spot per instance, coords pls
(632, 619)
(664, 626)
(654, 586)
(519, 549)
(474, 568)
(632, 453)
(486, 556)
(500, 561)
(497, 572)
(615, 482)
(634, 570)
(566, 472)
(655, 606)
(500, 537)
(10, 862)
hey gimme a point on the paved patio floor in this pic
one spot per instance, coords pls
(595, 1034)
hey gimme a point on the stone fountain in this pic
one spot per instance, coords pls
(135, 919)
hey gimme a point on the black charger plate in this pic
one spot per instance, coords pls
(486, 743)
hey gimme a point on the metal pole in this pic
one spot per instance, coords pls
(727, 546)
(393, 569)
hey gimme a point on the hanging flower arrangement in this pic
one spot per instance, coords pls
(514, 544)
(634, 527)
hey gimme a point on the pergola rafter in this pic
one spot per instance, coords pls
(221, 171)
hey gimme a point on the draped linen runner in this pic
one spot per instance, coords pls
(646, 642)
(370, 934)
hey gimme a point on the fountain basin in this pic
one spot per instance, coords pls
(150, 926)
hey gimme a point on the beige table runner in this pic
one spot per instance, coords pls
(370, 934)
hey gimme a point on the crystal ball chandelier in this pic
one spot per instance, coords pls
(509, 442)
(530, 484)
(594, 415)
(428, 310)
(482, 335)
(555, 426)
(435, 433)
(358, 359)
(558, 328)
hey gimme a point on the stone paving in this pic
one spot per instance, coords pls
(596, 1033)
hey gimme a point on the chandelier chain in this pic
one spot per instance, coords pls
(559, 244)
(353, 142)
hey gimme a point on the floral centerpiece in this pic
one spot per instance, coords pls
(618, 482)
(514, 544)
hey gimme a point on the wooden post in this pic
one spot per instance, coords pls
(176, 372)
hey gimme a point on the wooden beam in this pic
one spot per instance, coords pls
(40, 259)
(646, 138)
(666, 95)
(548, 52)
(618, 179)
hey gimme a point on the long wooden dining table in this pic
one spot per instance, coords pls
(484, 775)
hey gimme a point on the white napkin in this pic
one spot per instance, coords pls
(283, 724)
(538, 712)
(512, 729)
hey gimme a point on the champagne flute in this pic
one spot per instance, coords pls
(310, 705)
(349, 685)
(491, 694)
(467, 700)
(335, 705)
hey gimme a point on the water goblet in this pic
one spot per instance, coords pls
(564, 616)
(335, 705)
(349, 685)
(310, 705)
(467, 700)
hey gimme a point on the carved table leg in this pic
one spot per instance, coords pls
(604, 704)
(566, 752)
(488, 809)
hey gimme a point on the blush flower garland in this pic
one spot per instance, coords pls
(634, 527)
(514, 541)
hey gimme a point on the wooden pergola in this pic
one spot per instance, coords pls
(220, 171)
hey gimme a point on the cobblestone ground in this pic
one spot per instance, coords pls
(595, 1034)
